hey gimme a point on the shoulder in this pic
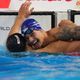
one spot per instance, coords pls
(53, 31)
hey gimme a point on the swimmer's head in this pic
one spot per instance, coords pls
(16, 43)
(29, 25)
(34, 34)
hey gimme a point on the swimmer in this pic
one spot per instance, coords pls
(64, 38)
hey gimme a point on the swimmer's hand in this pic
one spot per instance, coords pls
(25, 10)
(23, 13)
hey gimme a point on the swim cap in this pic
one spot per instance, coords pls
(29, 25)
(16, 43)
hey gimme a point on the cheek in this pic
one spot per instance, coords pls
(41, 37)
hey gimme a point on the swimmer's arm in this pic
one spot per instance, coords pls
(23, 13)
(16, 27)
(66, 33)
(46, 49)
(66, 22)
(67, 30)
(51, 48)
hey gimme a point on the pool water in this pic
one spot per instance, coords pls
(33, 66)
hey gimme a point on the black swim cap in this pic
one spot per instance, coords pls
(16, 43)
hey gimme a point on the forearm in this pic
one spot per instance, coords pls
(16, 26)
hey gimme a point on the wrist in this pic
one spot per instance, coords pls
(21, 17)
(19, 20)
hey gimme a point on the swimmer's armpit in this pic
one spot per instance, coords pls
(67, 33)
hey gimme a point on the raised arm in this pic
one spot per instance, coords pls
(23, 13)
(15, 41)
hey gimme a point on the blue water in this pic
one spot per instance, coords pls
(33, 66)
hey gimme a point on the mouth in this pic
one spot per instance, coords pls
(35, 44)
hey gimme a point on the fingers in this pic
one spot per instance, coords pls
(31, 10)
(25, 9)
(27, 6)
(27, 3)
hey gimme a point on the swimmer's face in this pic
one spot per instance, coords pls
(35, 39)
